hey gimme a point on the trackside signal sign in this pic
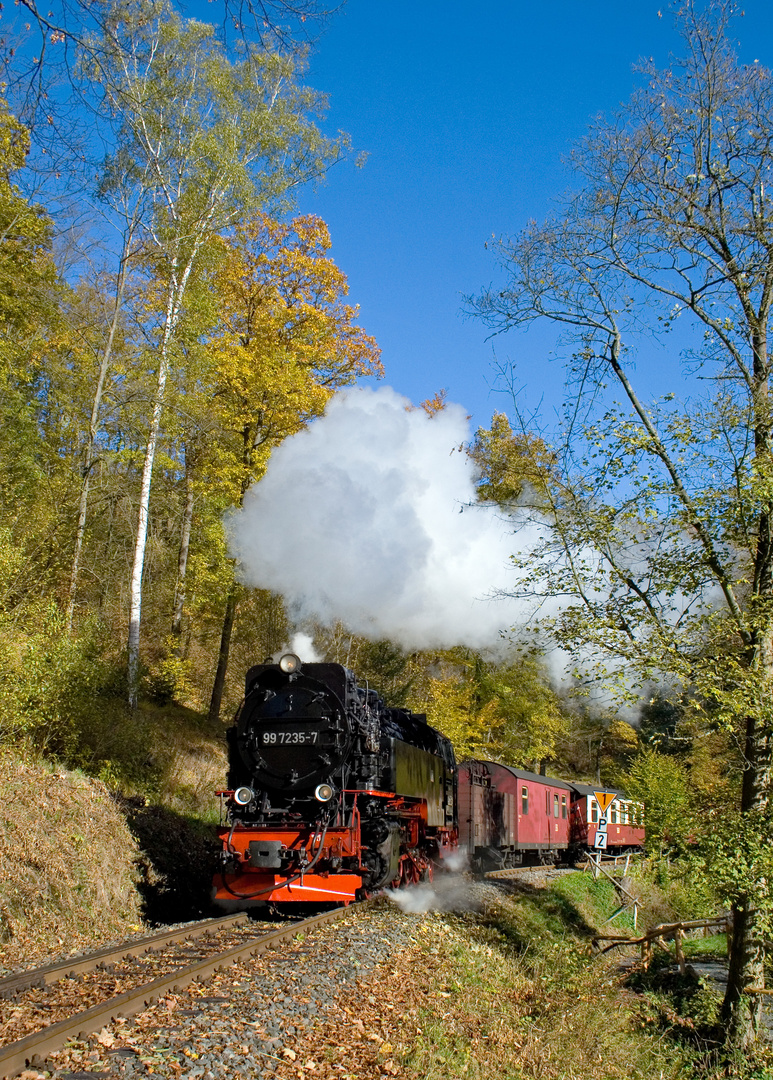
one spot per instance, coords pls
(604, 799)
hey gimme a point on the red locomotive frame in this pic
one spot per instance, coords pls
(321, 853)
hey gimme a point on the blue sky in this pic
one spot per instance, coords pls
(467, 113)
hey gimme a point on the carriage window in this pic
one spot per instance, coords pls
(524, 800)
(563, 806)
(555, 806)
(626, 813)
(594, 811)
(614, 814)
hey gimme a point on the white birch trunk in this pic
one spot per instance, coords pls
(138, 565)
(174, 302)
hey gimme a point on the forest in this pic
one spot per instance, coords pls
(167, 320)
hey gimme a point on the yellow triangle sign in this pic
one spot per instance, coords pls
(604, 799)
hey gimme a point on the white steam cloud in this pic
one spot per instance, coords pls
(303, 647)
(448, 892)
(368, 516)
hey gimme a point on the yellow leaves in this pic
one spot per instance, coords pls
(432, 406)
(280, 288)
(14, 142)
(285, 339)
(624, 736)
(450, 706)
(504, 711)
(508, 461)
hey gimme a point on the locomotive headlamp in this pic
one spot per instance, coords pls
(243, 796)
(323, 792)
(290, 663)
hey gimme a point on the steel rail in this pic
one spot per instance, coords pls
(18, 1055)
(77, 965)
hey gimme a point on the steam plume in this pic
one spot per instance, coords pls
(368, 516)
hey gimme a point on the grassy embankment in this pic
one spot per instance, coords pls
(513, 992)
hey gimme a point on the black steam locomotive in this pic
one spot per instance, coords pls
(332, 794)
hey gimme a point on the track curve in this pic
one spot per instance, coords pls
(35, 1046)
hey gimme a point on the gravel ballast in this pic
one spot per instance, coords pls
(254, 1017)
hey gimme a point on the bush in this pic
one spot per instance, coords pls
(168, 680)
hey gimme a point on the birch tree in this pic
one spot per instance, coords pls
(666, 536)
(125, 194)
(215, 140)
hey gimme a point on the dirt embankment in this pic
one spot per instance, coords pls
(81, 865)
(68, 864)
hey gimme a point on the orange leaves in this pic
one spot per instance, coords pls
(285, 340)
(279, 288)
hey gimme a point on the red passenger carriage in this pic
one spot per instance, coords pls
(624, 818)
(509, 816)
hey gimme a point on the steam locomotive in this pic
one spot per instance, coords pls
(332, 794)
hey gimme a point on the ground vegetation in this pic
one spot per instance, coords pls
(68, 861)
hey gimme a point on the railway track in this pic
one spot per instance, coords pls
(529, 873)
(41, 1009)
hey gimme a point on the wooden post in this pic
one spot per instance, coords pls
(635, 914)
(627, 863)
(646, 953)
(678, 933)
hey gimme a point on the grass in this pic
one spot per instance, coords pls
(513, 992)
(706, 948)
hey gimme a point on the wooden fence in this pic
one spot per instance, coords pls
(658, 935)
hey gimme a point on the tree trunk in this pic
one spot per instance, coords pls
(250, 435)
(222, 660)
(182, 560)
(177, 288)
(741, 1010)
(138, 566)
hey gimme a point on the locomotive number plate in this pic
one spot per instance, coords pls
(284, 737)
